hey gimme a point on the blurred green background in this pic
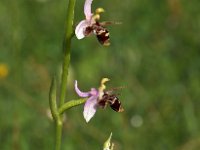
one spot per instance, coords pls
(154, 53)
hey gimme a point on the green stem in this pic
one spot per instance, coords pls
(67, 47)
(59, 126)
(66, 62)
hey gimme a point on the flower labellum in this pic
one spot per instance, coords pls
(98, 98)
(112, 100)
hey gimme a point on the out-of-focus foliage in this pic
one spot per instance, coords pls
(154, 53)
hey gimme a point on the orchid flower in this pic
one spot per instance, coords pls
(93, 96)
(90, 24)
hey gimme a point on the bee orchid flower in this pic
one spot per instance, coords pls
(90, 25)
(93, 96)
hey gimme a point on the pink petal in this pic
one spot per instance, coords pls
(94, 92)
(80, 93)
(90, 108)
(87, 9)
(80, 28)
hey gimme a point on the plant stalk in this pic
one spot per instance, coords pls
(66, 61)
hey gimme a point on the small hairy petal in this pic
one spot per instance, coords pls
(90, 108)
(80, 93)
(80, 28)
(87, 9)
